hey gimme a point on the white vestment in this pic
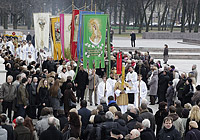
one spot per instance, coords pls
(143, 92)
(101, 91)
(131, 79)
(71, 73)
(112, 83)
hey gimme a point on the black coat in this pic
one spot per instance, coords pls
(147, 134)
(121, 126)
(92, 132)
(82, 79)
(162, 86)
(133, 37)
(187, 125)
(186, 89)
(85, 116)
(63, 121)
(44, 96)
(131, 124)
(106, 128)
(159, 117)
(105, 107)
(9, 128)
(51, 66)
(169, 134)
(51, 134)
(145, 114)
(193, 134)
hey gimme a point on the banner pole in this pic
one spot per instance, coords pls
(85, 6)
(108, 48)
(72, 5)
(91, 5)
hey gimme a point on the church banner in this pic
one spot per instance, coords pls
(55, 24)
(94, 40)
(74, 34)
(65, 33)
(41, 27)
(81, 31)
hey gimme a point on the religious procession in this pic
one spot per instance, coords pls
(66, 81)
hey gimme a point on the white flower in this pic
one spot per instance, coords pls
(88, 45)
(88, 56)
(93, 46)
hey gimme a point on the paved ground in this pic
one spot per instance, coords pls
(125, 42)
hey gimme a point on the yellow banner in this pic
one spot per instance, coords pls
(55, 24)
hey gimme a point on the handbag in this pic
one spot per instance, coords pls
(72, 104)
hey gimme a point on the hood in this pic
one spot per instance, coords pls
(112, 102)
(174, 116)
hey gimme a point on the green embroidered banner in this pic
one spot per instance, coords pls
(94, 40)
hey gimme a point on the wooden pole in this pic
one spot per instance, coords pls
(95, 8)
(85, 6)
(94, 78)
(139, 83)
(91, 4)
(72, 5)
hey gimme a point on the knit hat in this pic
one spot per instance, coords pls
(193, 124)
(115, 131)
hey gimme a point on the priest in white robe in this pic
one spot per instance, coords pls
(104, 90)
(142, 90)
(112, 82)
(131, 79)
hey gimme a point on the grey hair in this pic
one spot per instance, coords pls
(135, 132)
(103, 100)
(10, 76)
(130, 107)
(146, 123)
(51, 121)
(145, 101)
(19, 120)
(109, 115)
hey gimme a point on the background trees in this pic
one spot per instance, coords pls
(143, 15)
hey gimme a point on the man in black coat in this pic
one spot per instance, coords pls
(162, 86)
(84, 113)
(168, 132)
(147, 133)
(112, 102)
(81, 82)
(133, 38)
(51, 133)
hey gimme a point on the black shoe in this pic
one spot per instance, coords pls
(90, 104)
(96, 104)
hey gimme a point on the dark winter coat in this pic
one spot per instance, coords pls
(9, 128)
(105, 107)
(85, 116)
(187, 125)
(22, 133)
(196, 97)
(170, 93)
(8, 91)
(44, 96)
(92, 132)
(147, 134)
(131, 124)
(193, 134)
(186, 97)
(63, 121)
(121, 126)
(22, 95)
(51, 134)
(68, 94)
(180, 87)
(159, 117)
(169, 134)
(145, 114)
(81, 79)
(162, 86)
(106, 128)
(55, 101)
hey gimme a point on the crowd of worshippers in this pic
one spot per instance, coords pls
(107, 122)
(50, 91)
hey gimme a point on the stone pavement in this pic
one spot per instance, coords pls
(157, 43)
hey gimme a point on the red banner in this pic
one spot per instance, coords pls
(119, 63)
(74, 34)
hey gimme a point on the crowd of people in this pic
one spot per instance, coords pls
(49, 92)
